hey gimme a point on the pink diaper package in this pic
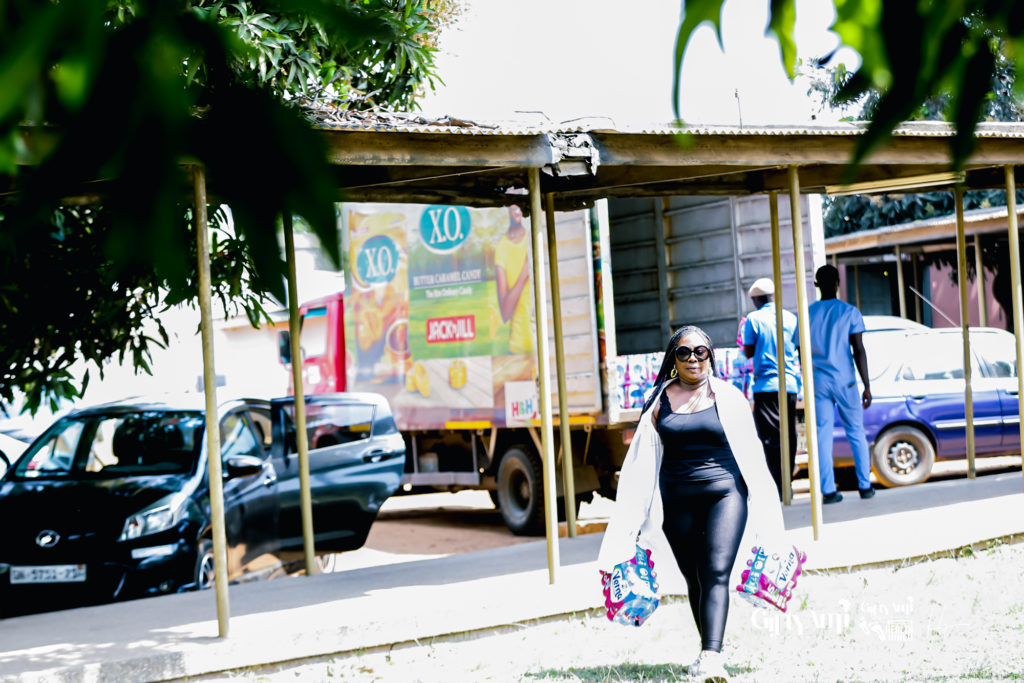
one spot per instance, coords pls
(631, 590)
(771, 576)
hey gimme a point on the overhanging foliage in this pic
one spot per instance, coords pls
(910, 51)
(128, 95)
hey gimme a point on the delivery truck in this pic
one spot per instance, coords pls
(438, 316)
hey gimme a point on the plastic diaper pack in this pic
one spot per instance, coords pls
(770, 577)
(631, 589)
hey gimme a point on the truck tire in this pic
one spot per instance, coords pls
(521, 491)
(903, 455)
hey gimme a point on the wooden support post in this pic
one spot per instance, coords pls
(565, 434)
(900, 285)
(917, 285)
(856, 285)
(780, 353)
(835, 264)
(965, 321)
(301, 438)
(1015, 292)
(662, 229)
(214, 468)
(979, 278)
(544, 373)
(810, 424)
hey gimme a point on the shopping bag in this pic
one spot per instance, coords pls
(771, 575)
(631, 589)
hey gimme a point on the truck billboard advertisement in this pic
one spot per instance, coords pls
(439, 312)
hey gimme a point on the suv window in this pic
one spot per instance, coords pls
(883, 351)
(56, 454)
(262, 423)
(120, 445)
(237, 437)
(330, 424)
(936, 357)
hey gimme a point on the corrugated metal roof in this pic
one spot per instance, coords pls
(970, 216)
(413, 123)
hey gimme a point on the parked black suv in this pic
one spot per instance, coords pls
(112, 502)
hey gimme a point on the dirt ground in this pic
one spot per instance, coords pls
(432, 525)
(958, 617)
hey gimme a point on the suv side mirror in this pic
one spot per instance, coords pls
(242, 465)
(284, 346)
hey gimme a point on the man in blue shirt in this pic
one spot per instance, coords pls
(760, 342)
(836, 329)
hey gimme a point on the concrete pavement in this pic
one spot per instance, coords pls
(176, 636)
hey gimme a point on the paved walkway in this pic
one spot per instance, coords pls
(175, 636)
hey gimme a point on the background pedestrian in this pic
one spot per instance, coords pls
(760, 343)
(836, 346)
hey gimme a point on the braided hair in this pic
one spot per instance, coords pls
(669, 362)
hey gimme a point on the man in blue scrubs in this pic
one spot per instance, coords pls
(760, 342)
(836, 329)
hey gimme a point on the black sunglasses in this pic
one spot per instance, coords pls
(700, 353)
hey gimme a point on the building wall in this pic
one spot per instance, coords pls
(873, 288)
(946, 296)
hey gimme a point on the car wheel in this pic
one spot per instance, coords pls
(902, 456)
(521, 491)
(204, 565)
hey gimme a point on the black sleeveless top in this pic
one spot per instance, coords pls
(694, 445)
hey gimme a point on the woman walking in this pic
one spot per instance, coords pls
(694, 480)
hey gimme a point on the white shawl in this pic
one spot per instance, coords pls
(638, 497)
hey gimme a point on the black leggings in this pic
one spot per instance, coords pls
(704, 522)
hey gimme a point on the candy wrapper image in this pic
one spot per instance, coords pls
(771, 576)
(631, 589)
(635, 374)
(734, 367)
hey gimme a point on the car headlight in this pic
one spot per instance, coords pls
(160, 516)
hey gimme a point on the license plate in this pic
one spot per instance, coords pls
(54, 573)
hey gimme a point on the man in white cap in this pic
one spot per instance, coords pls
(760, 343)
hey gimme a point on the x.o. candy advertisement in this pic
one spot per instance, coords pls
(439, 313)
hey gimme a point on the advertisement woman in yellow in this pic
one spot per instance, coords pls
(512, 273)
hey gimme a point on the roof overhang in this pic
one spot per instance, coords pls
(408, 160)
(487, 166)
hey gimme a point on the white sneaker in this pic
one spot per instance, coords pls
(709, 668)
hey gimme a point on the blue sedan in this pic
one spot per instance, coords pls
(918, 416)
